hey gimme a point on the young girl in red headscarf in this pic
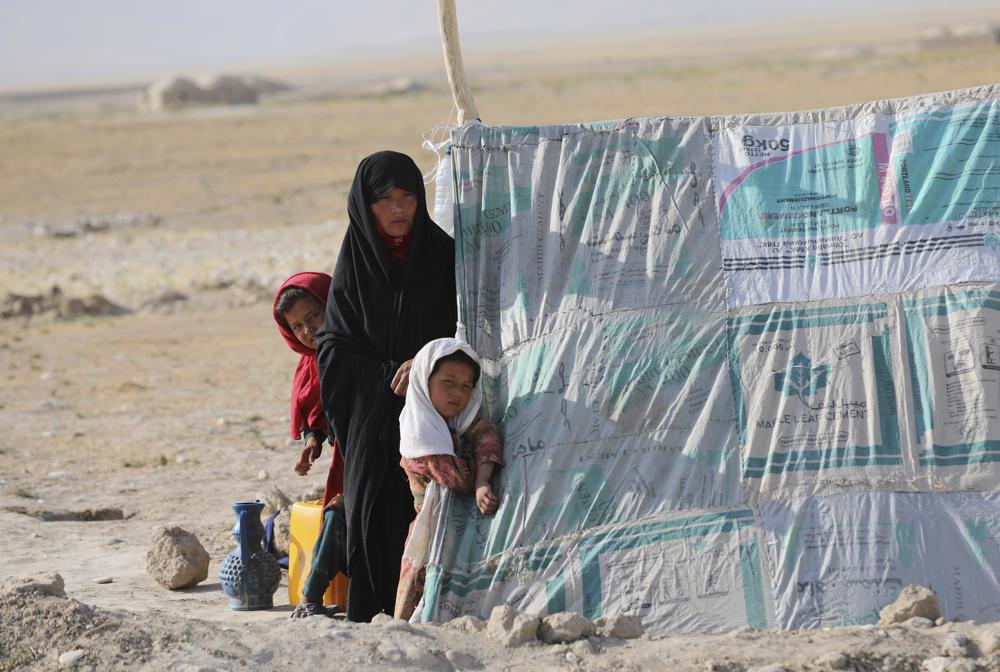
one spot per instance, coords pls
(298, 309)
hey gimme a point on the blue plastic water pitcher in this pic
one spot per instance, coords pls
(249, 574)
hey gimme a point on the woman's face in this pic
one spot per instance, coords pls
(394, 212)
(451, 387)
(305, 318)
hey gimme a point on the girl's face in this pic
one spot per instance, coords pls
(450, 387)
(394, 212)
(305, 318)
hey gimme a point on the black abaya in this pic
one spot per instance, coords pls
(379, 313)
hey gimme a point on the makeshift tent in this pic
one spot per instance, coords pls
(747, 368)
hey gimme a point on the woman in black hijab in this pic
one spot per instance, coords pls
(393, 291)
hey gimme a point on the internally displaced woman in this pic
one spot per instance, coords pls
(393, 290)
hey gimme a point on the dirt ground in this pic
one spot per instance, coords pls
(176, 408)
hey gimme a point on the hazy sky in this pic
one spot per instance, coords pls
(65, 41)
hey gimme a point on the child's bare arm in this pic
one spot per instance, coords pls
(485, 499)
(310, 452)
(484, 472)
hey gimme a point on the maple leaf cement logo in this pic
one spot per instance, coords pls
(801, 379)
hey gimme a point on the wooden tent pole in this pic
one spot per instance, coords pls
(448, 23)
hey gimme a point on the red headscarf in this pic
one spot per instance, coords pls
(307, 409)
(307, 406)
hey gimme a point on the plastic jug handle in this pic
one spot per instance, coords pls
(245, 551)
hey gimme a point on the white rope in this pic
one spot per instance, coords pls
(436, 139)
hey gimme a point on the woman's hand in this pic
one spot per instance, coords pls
(307, 456)
(402, 378)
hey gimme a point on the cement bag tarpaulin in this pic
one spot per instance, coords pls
(565, 223)
(838, 560)
(588, 267)
(659, 374)
(953, 338)
(690, 573)
(614, 420)
(869, 199)
(816, 398)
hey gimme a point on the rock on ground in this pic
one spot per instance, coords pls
(85, 515)
(69, 658)
(989, 644)
(274, 500)
(832, 661)
(584, 648)
(467, 623)
(511, 628)
(564, 627)
(312, 493)
(912, 601)
(163, 301)
(94, 305)
(956, 645)
(620, 626)
(17, 305)
(943, 664)
(176, 559)
(51, 585)
(283, 532)
(919, 622)
(462, 661)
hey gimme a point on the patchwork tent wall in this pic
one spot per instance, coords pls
(747, 368)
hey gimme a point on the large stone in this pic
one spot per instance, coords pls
(564, 627)
(511, 628)
(620, 626)
(913, 601)
(274, 500)
(176, 559)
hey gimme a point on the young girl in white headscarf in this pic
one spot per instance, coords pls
(443, 443)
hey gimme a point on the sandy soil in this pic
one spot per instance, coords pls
(171, 411)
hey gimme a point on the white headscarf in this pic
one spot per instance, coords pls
(422, 430)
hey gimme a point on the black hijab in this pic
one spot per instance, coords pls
(379, 313)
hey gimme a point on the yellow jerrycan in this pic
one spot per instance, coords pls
(307, 518)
